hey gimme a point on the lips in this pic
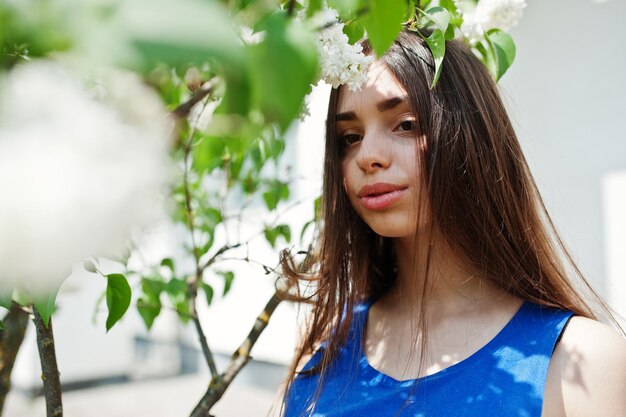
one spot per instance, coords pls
(380, 195)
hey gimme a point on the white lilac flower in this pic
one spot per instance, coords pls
(249, 36)
(341, 62)
(80, 169)
(201, 114)
(502, 14)
(472, 27)
(490, 14)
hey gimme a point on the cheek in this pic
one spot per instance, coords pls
(345, 175)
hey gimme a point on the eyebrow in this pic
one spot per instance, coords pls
(382, 106)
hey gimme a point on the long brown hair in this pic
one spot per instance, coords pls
(482, 197)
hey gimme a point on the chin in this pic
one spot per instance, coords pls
(398, 229)
(393, 231)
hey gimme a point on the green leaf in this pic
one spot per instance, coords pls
(487, 56)
(211, 217)
(6, 299)
(285, 231)
(236, 164)
(277, 191)
(271, 234)
(228, 280)
(21, 297)
(201, 30)
(90, 266)
(354, 30)
(184, 314)
(149, 305)
(208, 292)
(451, 6)
(178, 293)
(345, 8)
(1, 325)
(277, 146)
(169, 263)
(45, 304)
(177, 290)
(152, 288)
(425, 3)
(383, 23)
(305, 228)
(450, 33)
(503, 49)
(437, 44)
(409, 13)
(317, 208)
(313, 7)
(208, 154)
(439, 16)
(250, 182)
(118, 298)
(204, 248)
(282, 68)
(148, 310)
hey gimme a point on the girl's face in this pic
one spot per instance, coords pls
(380, 167)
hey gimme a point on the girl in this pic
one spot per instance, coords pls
(439, 287)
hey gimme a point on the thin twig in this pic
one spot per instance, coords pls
(208, 355)
(197, 278)
(239, 359)
(184, 109)
(217, 254)
(266, 268)
(49, 368)
(291, 7)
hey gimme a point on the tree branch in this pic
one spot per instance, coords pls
(49, 368)
(11, 338)
(220, 251)
(239, 359)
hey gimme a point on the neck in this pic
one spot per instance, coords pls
(440, 278)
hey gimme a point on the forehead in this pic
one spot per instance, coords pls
(379, 86)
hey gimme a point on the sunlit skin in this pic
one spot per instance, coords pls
(381, 175)
(380, 165)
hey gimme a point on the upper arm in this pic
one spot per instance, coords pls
(587, 373)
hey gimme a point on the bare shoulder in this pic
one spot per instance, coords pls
(587, 373)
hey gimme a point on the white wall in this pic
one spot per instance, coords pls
(567, 95)
(615, 232)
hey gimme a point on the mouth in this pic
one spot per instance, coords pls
(380, 195)
(379, 189)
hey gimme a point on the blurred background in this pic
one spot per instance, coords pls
(566, 94)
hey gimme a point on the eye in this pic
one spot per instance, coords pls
(350, 138)
(406, 126)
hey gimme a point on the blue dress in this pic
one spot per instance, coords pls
(505, 378)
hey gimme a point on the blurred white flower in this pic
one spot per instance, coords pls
(341, 62)
(249, 36)
(201, 114)
(490, 14)
(80, 169)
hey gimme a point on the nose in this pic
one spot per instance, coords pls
(373, 153)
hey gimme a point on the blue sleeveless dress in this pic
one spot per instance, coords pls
(505, 378)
